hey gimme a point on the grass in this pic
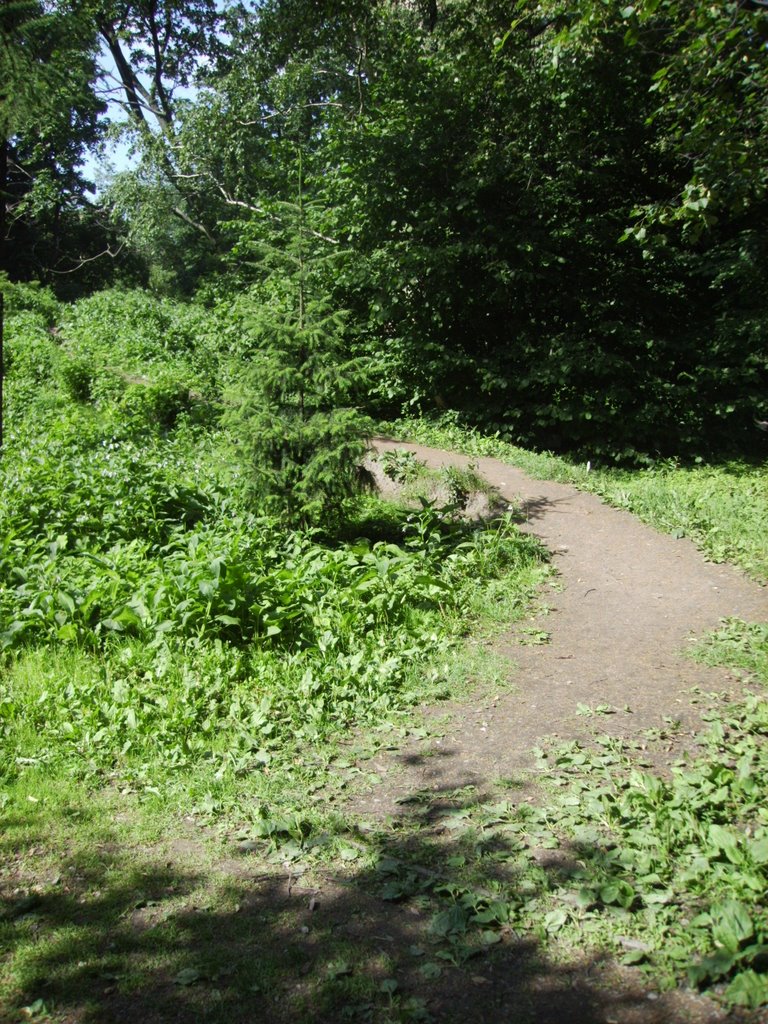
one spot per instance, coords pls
(122, 911)
(178, 669)
(137, 764)
(265, 902)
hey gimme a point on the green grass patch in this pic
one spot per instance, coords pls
(737, 644)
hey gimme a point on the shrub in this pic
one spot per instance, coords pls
(76, 378)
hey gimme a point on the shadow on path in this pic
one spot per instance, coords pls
(168, 933)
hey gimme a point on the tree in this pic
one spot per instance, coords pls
(710, 108)
(302, 438)
(48, 117)
(157, 49)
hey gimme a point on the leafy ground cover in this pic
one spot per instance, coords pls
(667, 874)
(188, 691)
(167, 649)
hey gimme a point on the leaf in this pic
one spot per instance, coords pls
(554, 920)
(660, 896)
(338, 969)
(748, 989)
(188, 976)
(731, 924)
(391, 891)
(113, 624)
(65, 601)
(619, 893)
(228, 620)
(725, 842)
(36, 1010)
(430, 970)
(449, 922)
(634, 956)
(758, 850)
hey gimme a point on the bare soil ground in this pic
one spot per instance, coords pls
(626, 602)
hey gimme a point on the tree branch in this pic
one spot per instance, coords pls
(231, 201)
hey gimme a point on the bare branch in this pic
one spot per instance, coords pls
(231, 201)
(183, 215)
(289, 110)
(90, 259)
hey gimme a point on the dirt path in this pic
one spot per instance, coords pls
(628, 599)
(622, 608)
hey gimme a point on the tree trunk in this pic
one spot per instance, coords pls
(3, 199)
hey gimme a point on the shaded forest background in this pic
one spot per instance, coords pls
(549, 217)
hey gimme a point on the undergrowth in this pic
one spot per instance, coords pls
(666, 874)
(152, 621)
(174, 659)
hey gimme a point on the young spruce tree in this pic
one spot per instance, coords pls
(302, 437)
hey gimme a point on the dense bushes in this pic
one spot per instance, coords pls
(183, 623)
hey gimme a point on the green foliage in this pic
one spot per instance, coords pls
(400, 465)
(690, 852)
(235, 632)
(462, 483)
(151, 619)
(550, 217)
(246, 636)
(664, 873)
(133, 332)
(737, 644)
(76, 378)
(301, 438)
(30, 297)
(487, 197)
(160, 401)
(49, 117)
(30, 356)
(75, 488)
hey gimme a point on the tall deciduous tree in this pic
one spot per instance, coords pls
(48, 116)
(155, 52)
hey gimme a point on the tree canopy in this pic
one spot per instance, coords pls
(555, 214)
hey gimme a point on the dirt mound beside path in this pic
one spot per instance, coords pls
(627, 600)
